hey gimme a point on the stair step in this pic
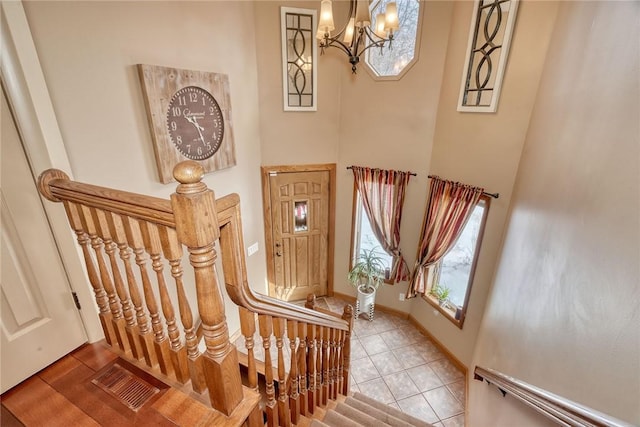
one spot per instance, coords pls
(334, 419)
(360, 410)
(362, 418)
(379, 414)
(391, 410)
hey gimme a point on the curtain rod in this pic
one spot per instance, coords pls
(410, 173)
(494, 195)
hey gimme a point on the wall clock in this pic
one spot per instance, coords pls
(189, 115)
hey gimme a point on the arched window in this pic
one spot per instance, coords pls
(392, 64)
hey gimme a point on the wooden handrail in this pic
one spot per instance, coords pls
(233, 265)
(557, 408)
(56, 186)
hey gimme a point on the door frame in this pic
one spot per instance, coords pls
(27, 93)
(265, 172)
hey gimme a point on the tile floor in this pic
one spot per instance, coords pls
(391, 361)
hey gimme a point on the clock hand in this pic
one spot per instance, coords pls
(192, 120)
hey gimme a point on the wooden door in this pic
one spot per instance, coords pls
(299, 227)
(39, 320)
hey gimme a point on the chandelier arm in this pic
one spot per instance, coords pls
(333, 42)
(370, 45)
(373, 42)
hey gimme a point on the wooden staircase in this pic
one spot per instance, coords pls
(152, 265)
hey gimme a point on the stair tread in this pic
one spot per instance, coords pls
(358, 416)
(391, 410)
(377, 413)
(335, 419)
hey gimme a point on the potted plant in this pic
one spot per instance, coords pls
(366, 275)
(441, 293)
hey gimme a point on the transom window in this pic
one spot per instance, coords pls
(453, 275)
(393, 63)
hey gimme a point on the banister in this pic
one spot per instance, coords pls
(233, 262)
(557, 408)
(56, 186)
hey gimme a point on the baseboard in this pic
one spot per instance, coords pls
(384, 309)
(438, 344)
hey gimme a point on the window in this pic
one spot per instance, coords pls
(456, 269)
(363, 237)
(391, 64)
(487, 50)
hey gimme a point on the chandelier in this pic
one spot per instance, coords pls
(357, 35)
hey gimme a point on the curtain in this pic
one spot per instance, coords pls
(448, 210)
(382, 193)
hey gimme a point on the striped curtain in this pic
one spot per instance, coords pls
(382, 193)
(448, 210)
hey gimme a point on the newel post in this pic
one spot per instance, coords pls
(197, 227)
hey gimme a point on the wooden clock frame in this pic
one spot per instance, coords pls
(159, 84)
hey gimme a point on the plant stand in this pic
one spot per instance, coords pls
(365, 302)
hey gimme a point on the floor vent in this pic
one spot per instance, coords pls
(125, 386)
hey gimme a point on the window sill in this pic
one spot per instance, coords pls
(448, 311)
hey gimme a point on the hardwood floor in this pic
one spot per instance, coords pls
(63, 395)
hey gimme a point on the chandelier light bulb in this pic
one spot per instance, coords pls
(326, 17)
(391, 17)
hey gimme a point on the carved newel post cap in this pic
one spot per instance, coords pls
(188, 172)
(311, 301)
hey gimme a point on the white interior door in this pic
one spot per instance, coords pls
(39, 320)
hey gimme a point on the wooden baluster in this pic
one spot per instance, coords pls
(319, 359)
(102, 221)
(139, 325)
(153, 246)
(74, 215)
(302, 365)
(294, 395)
(330, 378)
(248, 328)
(134, 237)
(198, 229)
(326, 337)
(184, 357)
(283, 402)
(265, 323)
(340, 362)
(87, 218)
(311, 365)
(347, 315)
(335, 333)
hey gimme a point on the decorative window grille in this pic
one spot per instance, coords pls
(299, 56)
(489, 39)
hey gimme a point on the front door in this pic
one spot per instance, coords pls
(39, 320)
(299, 214)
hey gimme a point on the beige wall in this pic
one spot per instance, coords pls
(290, 137)
(484, 149)
(88, 52)
(390, 125)
(386, 124)
(411, 124)
(563, 312)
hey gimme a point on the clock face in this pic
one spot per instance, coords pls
(195, 123)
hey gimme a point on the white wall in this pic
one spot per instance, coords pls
(564, 312)
(88, 52)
